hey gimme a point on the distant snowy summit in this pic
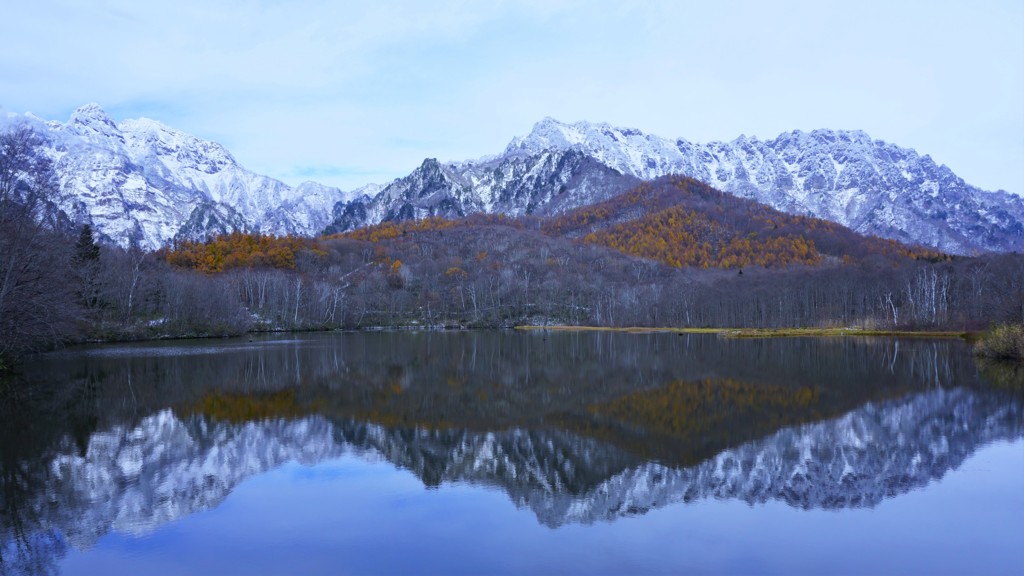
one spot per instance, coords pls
(139, 181)
(867, 185)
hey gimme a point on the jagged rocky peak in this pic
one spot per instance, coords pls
(430, 179)
(551, 134)
(91, 114)
(91, 121)
(432, 174)
(151, 138)
(546, 134)
(825, 136)
(548, 182)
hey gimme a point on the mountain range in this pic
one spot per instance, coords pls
(869, 186)
(139, 181)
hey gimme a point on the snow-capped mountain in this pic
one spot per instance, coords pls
(136, 477)
(867, 185)
(870, 186)
(139, 181)
(548, 182)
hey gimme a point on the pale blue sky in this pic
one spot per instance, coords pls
(348, 93)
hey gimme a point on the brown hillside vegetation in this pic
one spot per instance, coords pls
(676, 221)
(680, 238)
(239, 250)
(389, 230)
(682, 222)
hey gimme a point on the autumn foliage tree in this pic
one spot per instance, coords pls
(239, 250)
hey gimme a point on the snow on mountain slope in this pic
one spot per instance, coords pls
(844, 176)
(548, 182)
(142, 182)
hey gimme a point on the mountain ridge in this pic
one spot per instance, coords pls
(142, 182)
(844, 176)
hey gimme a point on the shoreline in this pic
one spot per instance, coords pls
(760, 332)
(722, 332)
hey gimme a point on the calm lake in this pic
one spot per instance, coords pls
(505, 452)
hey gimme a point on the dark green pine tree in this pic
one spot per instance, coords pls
(86, 249)
(87, 263)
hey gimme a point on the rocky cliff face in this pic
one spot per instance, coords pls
(547, 182)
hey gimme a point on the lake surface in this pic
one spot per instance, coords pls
(505, 452)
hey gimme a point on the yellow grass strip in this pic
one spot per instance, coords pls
(755, 332)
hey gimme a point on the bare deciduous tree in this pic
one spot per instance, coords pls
(37, 307)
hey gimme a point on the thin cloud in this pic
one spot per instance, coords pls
(359, 89)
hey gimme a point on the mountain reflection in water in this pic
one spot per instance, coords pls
(577, 427)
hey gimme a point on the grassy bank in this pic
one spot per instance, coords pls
(758, 332)
(1004, 342)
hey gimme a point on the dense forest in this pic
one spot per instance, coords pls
(671, 252)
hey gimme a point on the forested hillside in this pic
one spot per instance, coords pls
(673, 252)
